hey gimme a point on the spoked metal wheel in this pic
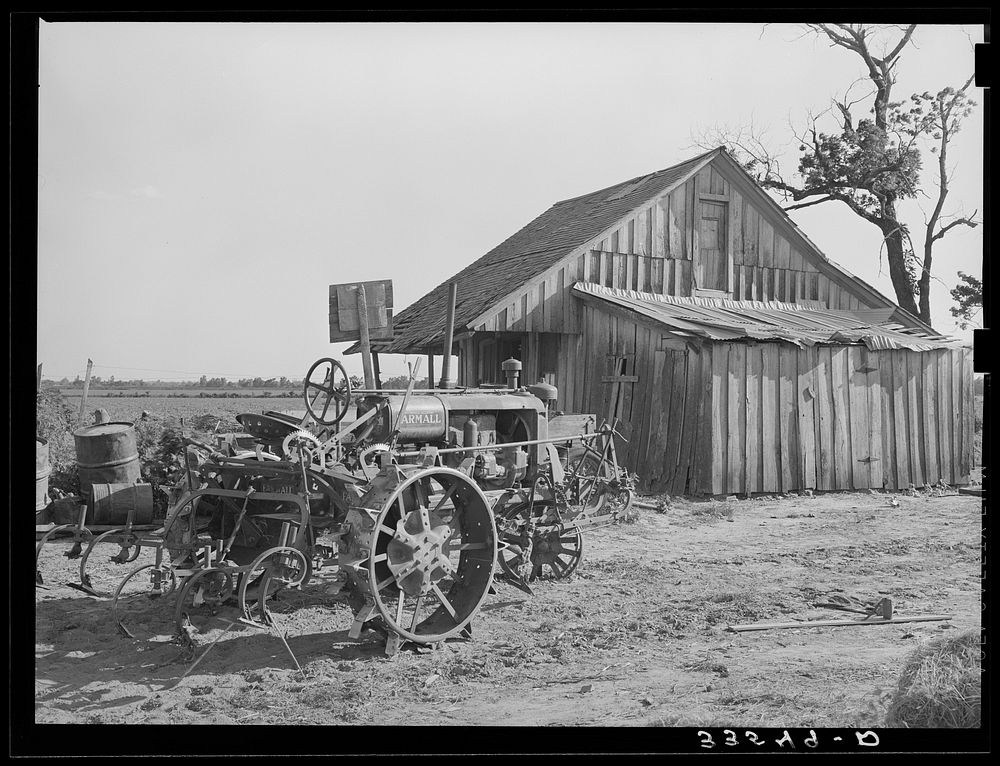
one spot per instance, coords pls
(432, 555)
(202, 596)
(554, 552)
(137, 603)
(271, 572)
(97, 577)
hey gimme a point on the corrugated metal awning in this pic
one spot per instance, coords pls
(801, 324)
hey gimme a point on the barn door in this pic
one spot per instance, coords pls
(712, 267)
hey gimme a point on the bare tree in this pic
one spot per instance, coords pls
(869, 164)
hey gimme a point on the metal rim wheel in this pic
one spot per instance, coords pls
(273, 570)
(202, 595)
(130, 550)
(555, 551)
(332, 390)
(433, 554)
(159, 574)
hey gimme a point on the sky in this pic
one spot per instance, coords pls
(200, 185)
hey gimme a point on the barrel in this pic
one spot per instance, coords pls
(110, 503)
(42, 471)
(106, 454)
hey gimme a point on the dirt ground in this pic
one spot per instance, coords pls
(636, 637)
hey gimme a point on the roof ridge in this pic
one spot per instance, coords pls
(696, 158)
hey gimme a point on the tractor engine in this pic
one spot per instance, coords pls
(448, 423)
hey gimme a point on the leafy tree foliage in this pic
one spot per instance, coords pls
(873, 163)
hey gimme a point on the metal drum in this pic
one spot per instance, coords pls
(106, 454)
(42, 471)
(111, 503)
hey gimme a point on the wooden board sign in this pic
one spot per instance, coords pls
(344, 320)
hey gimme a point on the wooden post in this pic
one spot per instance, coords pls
(366, 343)
(378, 372)
(86, 390)
(449, 334)
(38, 379)
(430, 371)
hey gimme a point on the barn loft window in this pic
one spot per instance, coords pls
(712, 257)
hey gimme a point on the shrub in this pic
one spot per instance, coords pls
(54, 422)
(940, 686)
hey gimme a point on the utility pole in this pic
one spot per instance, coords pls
(86, 390)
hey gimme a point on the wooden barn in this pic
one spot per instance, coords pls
(738, 358)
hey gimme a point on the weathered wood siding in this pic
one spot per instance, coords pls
(654, 250)
(747, 418)
(830, 418)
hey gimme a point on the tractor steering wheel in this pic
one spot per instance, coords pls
(332, 390)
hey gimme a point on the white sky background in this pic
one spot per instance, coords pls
(201, 185)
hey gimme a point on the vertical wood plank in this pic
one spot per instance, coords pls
(736, 426)
(702, 448)
(932, 462)
(720, 415)
(795, 261)
(657, 276)
(788, 418)
(754, 456)
(914, 413)
(834, 300)
(858, 404)
(671, 414)
(694, 221)
(805, 398)
(751, 223)
(736, 228)
(782, 252)
(901, 420)
(874, 383)
(770, 446)
(641, 232)
(887, 421)
(843, 462)
(678, 246)
(683, 282)
(968, 417)
(946, 451)
(765, 243)
(652, 462)
(845, 300)
(960, 410)
(690, 423)
(823, 379)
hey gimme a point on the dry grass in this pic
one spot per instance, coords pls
(941, 686)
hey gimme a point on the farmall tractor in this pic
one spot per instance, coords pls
(418, 504)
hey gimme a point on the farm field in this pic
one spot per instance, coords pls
(129, 408)
(635, 637)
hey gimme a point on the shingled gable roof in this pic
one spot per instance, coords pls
(526, 254)
(553, 235)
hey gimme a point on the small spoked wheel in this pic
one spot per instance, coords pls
(327, 383)
(554, 553)
(139, 595)
(271, 572)
(202, 596)
(432, 556)
(96, 581)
